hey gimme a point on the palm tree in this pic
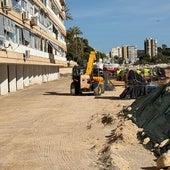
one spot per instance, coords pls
(67, 13)
(73, 40)
(73, 32)
(77, 32)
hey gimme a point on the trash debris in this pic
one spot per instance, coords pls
(135, 86)
(107, 119)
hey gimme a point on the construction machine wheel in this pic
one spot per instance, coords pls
(102, 85)
(98, 90)
(73, 88)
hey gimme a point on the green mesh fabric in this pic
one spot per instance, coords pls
(152, 113)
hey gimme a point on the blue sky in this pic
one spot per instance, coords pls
(111, 23)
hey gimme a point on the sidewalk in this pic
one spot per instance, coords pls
(65, 70)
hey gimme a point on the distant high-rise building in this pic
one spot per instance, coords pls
(132, 53)
(150, 46)
(125, 53)
(116, 52)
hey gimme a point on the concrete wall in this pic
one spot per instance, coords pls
(14, 77)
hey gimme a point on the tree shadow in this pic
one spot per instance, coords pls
(67, 94)
(57, 94)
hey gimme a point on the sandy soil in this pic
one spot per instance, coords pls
(43, 127)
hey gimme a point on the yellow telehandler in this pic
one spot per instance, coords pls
(89, 79)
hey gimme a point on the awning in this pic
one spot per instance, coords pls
(2, 39)
(1, 25)
(54, 46)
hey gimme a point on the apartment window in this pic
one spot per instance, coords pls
(31, 10)
(44, 20)
(46, 46)
(9, 25)
(9, 36)
(42, 44)
(2, 25)
(35, 42)
(44, 2)
(26, 37)
(50, 4)
(49, 23)
(38, 43)
(36, 10)
(41, 16)
(55, 31)
(18, 35)
(24, 5)
(16, 6)
(32, 44)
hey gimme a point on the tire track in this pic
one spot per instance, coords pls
(46, 132)
(41, 143)
(70, 149)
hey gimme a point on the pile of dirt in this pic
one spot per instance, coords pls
(140, 130)
(122, 135)
(113, 153)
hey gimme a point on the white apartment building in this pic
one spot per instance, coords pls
(32, 42)
(128, 53)
(132, 54)
(117, 51)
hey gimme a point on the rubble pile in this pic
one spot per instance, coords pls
(135, 86)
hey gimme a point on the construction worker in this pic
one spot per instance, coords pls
(146, 73)
(138, 70)
(119, 74)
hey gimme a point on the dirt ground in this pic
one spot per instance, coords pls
(43, 127)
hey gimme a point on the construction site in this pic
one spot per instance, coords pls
(45, 126)
(55, 117)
